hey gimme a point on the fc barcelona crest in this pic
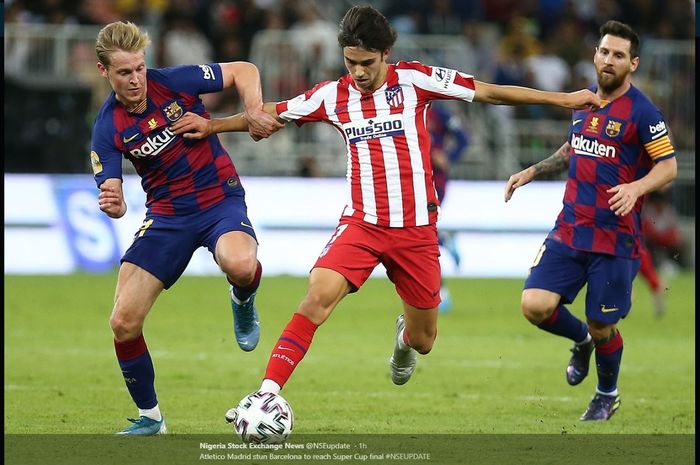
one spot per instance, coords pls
(613, 128)
(173, 111)
(394, 96)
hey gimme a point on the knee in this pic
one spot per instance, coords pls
(601, 332)
(535, 310)
(239, 268)
(124, 327)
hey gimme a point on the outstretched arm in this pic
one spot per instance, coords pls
(515, 95)
(556, 163)
(193, 126)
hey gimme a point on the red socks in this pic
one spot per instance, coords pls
(290, 349)
(647, 269)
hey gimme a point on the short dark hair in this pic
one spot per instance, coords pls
(363, 26)
(622, 30)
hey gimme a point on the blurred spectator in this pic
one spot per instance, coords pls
(662, 232)
(406, 16)
(504, 11)
(316, 42)
(182, 42)
(512, 70)
(82, 64)
(584, 71)
(483, 38)
(448, 141)
(308, 167)
(549, 70)
(570, 40)
(442, 19)
(520, 39)
(98, 12)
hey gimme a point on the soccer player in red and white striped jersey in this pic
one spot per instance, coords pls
(392, 207)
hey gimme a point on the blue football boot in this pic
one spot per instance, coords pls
(144, 426)
(246, 324)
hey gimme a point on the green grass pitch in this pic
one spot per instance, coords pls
(489, 372)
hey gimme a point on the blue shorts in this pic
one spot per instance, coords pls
(559, 268)
(164, 245)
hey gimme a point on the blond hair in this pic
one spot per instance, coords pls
(120, 35)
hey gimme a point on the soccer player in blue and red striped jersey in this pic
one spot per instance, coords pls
(615, 155)
(194, 196)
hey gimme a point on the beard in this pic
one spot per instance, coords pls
(609, 82)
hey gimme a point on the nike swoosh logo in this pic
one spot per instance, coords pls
(608, 310)
(285, 348)
(246, 225)
(127, 140)
(576, 121)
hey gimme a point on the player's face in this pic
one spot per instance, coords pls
(127, 76)
(367, 67)
(613, 63)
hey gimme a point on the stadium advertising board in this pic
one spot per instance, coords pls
(53, 224)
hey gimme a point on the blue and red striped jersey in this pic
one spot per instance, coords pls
(179, 176)
(615, 144)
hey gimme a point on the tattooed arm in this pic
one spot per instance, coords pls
(556, 163)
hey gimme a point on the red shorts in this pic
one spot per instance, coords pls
(410, 256)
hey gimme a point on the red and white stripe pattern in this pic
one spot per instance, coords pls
(389, 170)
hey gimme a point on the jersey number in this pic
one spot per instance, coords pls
(539, 256)
(146, 224)
(336, 235)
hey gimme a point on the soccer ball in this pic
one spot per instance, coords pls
(262, 417)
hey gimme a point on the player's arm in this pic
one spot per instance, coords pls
(625, 195)
(246, 78)
(111, 198)
(516, 95)
(194, 126)
(557, 162)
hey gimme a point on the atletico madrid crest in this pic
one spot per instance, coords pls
(394, 96)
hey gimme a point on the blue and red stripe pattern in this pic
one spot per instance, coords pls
(179, 176)
(615, 144)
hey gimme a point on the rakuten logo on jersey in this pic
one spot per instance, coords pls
(657, 128)
(153, 145)
(591, 147)
(374, 128)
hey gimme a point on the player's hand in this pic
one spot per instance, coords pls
(517, 180)
(192, 126)
(583, 99)
(624, 198)
(439, 159)
(261, 125)
(111, 201)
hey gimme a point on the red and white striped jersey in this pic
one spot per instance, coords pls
(389, 172)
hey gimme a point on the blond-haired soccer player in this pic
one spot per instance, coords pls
(194, 196)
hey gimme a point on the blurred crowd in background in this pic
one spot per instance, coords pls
(547, 44)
